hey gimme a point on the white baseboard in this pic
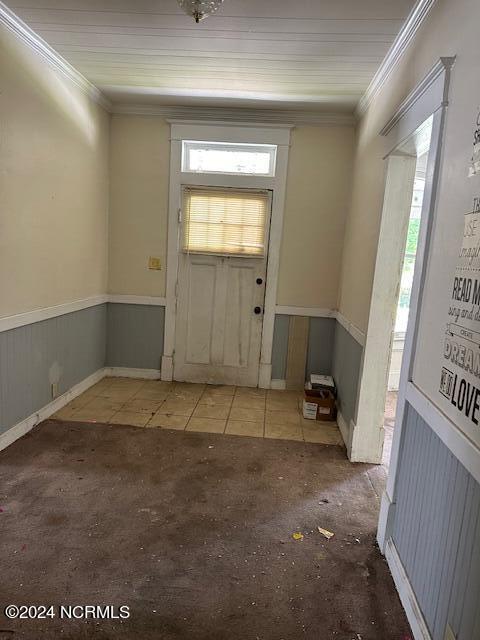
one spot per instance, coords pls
(23, 427)
(167, 368)
(127, 372)
(407, 595)
(346, 431)
(384, 520)
(265, 375)
(278, 384)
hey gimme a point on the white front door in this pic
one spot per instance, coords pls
(219, 316)
(219, 319)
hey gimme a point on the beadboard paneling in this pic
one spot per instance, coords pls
(65, 349)
(437, 531)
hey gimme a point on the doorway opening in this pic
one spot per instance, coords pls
(225, 221)
(402, 307)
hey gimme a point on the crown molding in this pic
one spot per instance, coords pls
(256, 116)
(37, 44)
(407, 33)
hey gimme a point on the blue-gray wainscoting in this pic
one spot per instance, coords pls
(346, 369)
(69, 348)
(436, 531)
(66, 349)
(331, 351)
(280, 347)
(319, 351)
(135, 335)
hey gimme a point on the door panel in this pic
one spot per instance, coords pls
(241, 301)
(201, 304)
(218, 333)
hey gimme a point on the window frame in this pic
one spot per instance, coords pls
(271, 149)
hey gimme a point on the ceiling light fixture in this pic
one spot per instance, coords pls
(199, 9)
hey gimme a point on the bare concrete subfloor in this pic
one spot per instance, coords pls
(193, 531)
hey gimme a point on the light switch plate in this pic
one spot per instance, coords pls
(154, 263)
(449, 635)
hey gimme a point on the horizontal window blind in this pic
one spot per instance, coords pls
(224, 221)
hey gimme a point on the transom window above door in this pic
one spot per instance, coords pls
(228, 158)
(224, 221)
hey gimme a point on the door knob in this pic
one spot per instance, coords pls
(257, 310)
(259, 281)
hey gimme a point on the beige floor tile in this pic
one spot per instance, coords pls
(288, 403)
(177, 407)
(76, 403)
(217, 411)
(153, 394)
(206, 398)
(321, 433)
(249, 402)
(103, 403)
(65, 413)
(131, 418)
(282, 418)
(243, 428)
(250, 392)
(283, 431)
(142, 405)
(88, 395)
(183, 396)
(189, 387)
(247, 415)
(126, 384)
(206, 425)
(282, 393)
(168, 421)
(101, 384)
(86, 414)
(119, 392)
(79, 401)
(155, 391)
(220, 389)
(158, 384)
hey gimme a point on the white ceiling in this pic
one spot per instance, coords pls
(309, 54)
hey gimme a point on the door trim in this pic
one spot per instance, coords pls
(433, 101)
(226, 132)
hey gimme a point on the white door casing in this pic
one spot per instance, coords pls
(226, 132)
(428, 100)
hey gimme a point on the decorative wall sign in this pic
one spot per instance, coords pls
(474, 168)
(460, 375)
(447, 353)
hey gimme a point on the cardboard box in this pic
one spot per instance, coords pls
(320, 407)
(317, 384)
(310, 410)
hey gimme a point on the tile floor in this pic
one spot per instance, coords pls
(238, 411)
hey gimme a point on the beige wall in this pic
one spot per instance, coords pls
(319, 173)
(443, 34)
(139, 180)
(53, 185)
(318, 194)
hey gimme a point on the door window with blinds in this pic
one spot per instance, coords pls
(222, 221)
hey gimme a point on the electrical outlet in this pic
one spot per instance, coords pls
(449, 635)
(54, 388)
(154, 263)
